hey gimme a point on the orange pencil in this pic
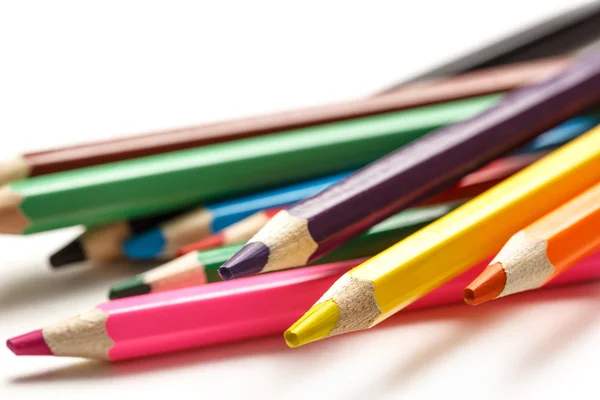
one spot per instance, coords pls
(543, 250)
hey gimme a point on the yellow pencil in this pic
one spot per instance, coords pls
(381, 286)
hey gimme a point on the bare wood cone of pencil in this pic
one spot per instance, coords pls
(546, 248)
(392, 280)
(424, 167)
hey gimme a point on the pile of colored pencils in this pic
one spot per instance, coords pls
(477, 180)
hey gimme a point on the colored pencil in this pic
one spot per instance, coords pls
(542, 251)
(201, 267)
(390, 281)
(477, 83)
(106, 243)
(149, 185)
(103, 243)
(237, 233)
(565, 33)
(425, 167)
(471, 185)
(161, 323)
(163, 241)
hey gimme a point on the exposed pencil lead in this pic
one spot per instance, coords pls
(315, 325)
(71, 253)
(131, 287)
(251, 259)
(29, 344)
(487, 286)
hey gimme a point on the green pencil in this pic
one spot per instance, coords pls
(201, 267)
(148, 185)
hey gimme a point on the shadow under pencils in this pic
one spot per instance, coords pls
(475, 321)
(34, 287)
(95, 370)
(557, 341)
(472, 322)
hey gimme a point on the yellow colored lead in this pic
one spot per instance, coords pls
(314, 326)
(407, 271)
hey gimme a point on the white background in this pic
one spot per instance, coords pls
(71, 72)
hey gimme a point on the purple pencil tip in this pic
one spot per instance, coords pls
(250, 260)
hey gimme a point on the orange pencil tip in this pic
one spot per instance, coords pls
(487, 286)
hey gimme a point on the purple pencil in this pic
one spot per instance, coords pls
(314, 227)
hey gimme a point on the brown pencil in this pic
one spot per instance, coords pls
(476, 83)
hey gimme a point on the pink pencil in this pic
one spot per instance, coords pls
(201, 316)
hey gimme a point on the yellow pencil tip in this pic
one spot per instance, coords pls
(315, 325)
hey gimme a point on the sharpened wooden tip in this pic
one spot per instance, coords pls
(487, 286)
(315, 325)
(14, 169)
(210, 242)
(12, 220)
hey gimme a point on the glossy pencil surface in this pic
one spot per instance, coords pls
(133, 188)
(471, 185)
(161, 323)
(104, 243)
(415, 172)
(424, 261)
(200, 267)
(164, 240)
(543, 250)
(473, 84)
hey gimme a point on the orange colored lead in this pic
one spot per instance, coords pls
(543, 250)
(487, 286)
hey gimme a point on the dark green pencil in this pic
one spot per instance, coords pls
(129, 189)
(201, 267)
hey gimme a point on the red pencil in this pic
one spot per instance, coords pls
(233, 234)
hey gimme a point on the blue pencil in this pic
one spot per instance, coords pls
(164, 240)
(561, 134)
(159, 236)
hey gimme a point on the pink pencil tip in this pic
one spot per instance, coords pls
(29, 344)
